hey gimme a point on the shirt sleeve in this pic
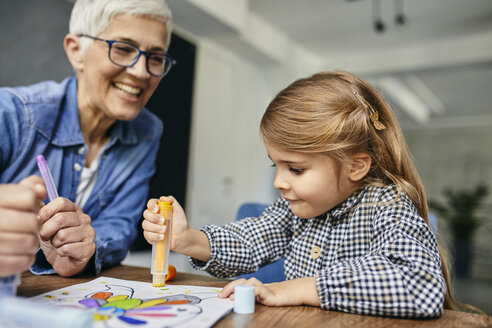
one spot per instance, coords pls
(244, 246)
(400, 276)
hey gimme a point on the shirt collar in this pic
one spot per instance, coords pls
(67, 131)
(348, 204)
(124, 132)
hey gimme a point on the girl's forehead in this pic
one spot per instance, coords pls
(278, 154)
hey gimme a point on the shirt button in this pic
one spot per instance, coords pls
(81, 150)
(315, 252)
(77, 167)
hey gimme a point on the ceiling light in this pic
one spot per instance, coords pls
(379, 25)
(400, 18)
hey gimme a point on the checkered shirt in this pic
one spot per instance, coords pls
(373, 254)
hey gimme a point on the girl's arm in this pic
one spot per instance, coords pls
(300, 291)
(184, 239)
(244, 246)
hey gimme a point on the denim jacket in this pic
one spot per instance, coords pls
(43, 119)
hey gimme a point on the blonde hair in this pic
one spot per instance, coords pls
(329, 113)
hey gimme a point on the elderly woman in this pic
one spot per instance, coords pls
(99, 140)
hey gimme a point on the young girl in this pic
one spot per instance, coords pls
(352, 222)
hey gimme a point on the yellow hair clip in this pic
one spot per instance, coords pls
(373, 114)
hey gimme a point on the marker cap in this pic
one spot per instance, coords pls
(158, 280)
(244, 299)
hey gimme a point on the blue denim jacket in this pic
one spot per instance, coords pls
(43, 119)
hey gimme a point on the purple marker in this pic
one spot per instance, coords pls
(48, 179)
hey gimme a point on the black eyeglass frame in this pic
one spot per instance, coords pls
(171, 61)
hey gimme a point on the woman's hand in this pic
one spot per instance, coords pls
(290, 292)
(184, 240)
(19, 225)
(66, 236)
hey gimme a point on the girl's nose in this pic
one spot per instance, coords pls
(280, 183)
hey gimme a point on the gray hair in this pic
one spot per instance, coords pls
(93, 16)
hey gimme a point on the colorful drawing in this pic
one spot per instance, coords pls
(124, 303)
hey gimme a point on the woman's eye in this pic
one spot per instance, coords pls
(296, 171)
(123, 49)
(157, 60)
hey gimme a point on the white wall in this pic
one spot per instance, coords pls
(228, 162)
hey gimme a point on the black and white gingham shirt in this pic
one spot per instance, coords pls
(370, 255)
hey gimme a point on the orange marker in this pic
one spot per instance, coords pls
(160, 249)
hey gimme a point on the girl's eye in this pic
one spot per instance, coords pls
(296, 171)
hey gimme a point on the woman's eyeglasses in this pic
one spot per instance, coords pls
(126, 55)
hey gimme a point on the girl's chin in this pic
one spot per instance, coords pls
(303, 213)
(298, 211)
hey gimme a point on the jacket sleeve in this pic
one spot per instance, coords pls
(400, 276)
(12, 130)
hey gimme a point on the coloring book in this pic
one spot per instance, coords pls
(131, 304)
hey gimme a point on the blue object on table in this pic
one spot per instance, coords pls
(8, 285)
(273, 272)
(23, 312)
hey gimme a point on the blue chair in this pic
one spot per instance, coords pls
(273, 272)
(433, 222)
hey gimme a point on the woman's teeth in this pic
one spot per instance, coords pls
(127, 89)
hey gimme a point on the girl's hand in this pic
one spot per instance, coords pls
(291, 292)
(184, 240)
(153, 224)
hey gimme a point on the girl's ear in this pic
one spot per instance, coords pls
(71, 44)
(360, 165)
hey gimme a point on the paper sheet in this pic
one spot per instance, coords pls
(126, 303)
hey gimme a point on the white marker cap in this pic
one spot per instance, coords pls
(244, 299)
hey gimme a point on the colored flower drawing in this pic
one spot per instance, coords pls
(116, 305)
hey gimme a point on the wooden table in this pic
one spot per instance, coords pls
(264, 316)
